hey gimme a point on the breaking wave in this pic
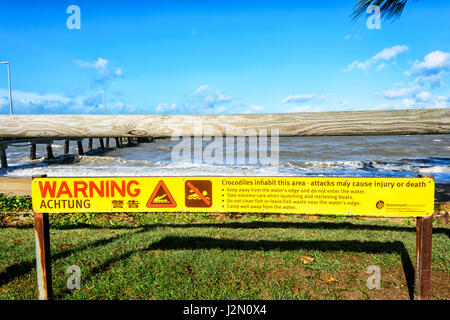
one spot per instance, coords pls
(299, 156)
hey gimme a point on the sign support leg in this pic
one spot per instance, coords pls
(43, 260)
(424, 231)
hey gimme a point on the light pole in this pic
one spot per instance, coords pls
(9, 83)
(104, 100)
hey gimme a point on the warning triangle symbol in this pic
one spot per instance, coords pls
(161, 197)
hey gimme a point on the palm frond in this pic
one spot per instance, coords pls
(389, 9)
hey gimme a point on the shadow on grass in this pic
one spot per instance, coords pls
(255, 225)
(22, 268)
(198, 243)
(181, 243)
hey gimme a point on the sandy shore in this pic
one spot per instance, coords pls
(15, 186)
(22, 186)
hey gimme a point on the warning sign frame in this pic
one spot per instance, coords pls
(42, 231)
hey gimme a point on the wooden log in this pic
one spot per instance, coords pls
(80, 147)
(3, 159)
(378, 122)
(49, 151)
(66, 146)
(32, 151)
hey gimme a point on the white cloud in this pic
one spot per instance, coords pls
(433, 63)
(424, 96)
(202, 88)
(254, 109)
(406, 104)
(343, 104)
(167, 108)
(399, 93)
(99, 64)
(357, 65)
(206, 97)
(431, 70)
(429, 73)
(381, 66)
(384, 55)
(204, 100)
(33, 103)
(423, 100)
(296, 98)
(390, 53)
(103, 73)
(356, 37)
(54, 103)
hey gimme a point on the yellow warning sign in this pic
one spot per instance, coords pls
(402, 197)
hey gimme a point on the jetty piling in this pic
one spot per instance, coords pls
(33, 142)
(49, 151)
(4, 162)
(66, 146)
(32, 151)
(80, 147)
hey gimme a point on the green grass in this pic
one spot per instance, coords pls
(165, 256)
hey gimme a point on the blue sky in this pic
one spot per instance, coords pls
(190, 57)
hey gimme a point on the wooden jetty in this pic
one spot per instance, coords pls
(37, 129)
(32, 142)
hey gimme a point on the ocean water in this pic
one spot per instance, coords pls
(364, 156)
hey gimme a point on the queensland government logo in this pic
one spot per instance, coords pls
(380, 204)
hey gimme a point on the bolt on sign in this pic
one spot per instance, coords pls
(402, 197)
